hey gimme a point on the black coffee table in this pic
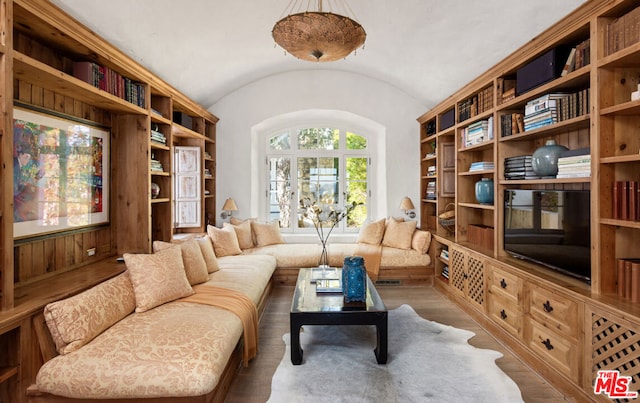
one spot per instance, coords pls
(311, 308)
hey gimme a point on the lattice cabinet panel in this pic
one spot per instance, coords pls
(475, 280)
(615, 346)
(457, 272)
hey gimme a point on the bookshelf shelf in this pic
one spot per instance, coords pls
(477, 206)
(620, 159)
(476, 147)
(630, 108)
(627, 57)
(620, 223)
(545, 181)
(577, 123)
(477, 173)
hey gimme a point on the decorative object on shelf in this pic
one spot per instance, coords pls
(324, 218)
(448, 218)
(407, 206)
(318, 36)
(484, 191)
(155, 190)
(354, 279)
(228, 208)
(545, 159)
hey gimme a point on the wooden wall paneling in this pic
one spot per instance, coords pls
(131, 184)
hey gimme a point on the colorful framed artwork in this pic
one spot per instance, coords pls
(60, 174)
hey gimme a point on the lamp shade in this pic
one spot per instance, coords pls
(406, 204)
(230, 205)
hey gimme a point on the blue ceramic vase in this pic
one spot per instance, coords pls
(544, 160)
(354, 279)
(484, 191)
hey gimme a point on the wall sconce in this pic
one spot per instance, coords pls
(407, 206)
(228, 208)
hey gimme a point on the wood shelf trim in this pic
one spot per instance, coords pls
(159, 119)
(429, 138)
(483, 172)
(580, 122)
(476, 147)
(33, 71)
(627, 57)
(620, 158)
(430, 158)
(545, 181)
(160, 200)
(477, 206)
(620, 223)
(8, 372)
(480, 116)
(181, 131)
(625, 109)
(159, 146)
(158, 173)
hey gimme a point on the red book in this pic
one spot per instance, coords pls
(621, 282)
(624, 205)
(633, 191)
(617, 200)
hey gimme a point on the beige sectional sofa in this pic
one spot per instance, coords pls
(110, 348)
(146, 334)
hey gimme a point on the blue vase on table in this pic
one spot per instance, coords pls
(354, 279)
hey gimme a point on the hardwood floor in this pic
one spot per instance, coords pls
(253, 384)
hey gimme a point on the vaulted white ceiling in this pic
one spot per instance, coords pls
(210, 48)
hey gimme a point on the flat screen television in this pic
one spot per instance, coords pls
(551, 228)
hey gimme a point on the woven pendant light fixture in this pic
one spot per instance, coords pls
(318, 36)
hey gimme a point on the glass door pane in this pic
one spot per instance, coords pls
(280, 193)
(318, 181)
(357, 192)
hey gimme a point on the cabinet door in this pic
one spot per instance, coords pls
(188, 193)
(475, 280)
(457, 270)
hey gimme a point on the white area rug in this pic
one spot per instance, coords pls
(428, 362)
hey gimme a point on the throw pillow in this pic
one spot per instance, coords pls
(398, 234)
(157, 278)
(75, 321)
(372, 232)
(267, 234)
(421, 241)
(243, 233)
(225, 241)
(194, 265)
(206, 247)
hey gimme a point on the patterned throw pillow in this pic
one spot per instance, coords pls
(194, 264)
(157, 278)
(372, 232)
(225, 241)
(266, 234)
(399, 234)
(75, 321)
(206, 247)
(243, 233)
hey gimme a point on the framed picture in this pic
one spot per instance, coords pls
(60, 174)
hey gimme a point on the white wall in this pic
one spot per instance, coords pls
(248, 108)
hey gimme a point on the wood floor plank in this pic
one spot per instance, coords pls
(253, 384)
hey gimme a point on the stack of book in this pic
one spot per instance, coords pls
(626, 200)
(512, 123)
(158, 137)
(431, 170)
(478, 132)
(573, 105)
(574, 163)
(444, 253)
(506, 89)
(579, 56)
(156, 166)
(431, 191)
(481, 166)
(445, 272)
(629, 279)
(519, 167)
(542, 111)
(207, 173)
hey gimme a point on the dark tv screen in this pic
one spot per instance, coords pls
(551, 228)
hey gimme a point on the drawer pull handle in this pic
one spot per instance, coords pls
(547, 307)
(503, 314)
(503, 283)
(547, 344)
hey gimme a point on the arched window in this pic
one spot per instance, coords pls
(329, 166)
